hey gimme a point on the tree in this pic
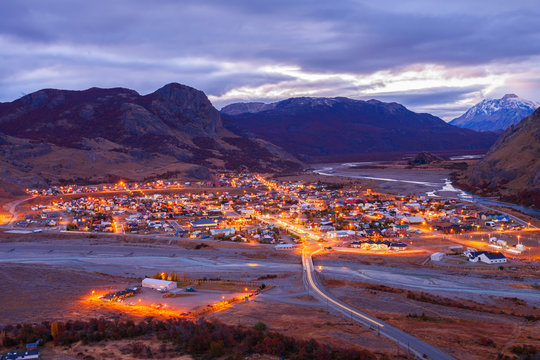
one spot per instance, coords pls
(260, 326)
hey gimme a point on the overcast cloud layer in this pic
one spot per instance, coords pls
(432, 56)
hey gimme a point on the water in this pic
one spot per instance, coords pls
(466, 157)
(433, 184)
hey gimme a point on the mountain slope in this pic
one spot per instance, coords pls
(97, 134)
(318, 127)
(496, 114)
(512, 166)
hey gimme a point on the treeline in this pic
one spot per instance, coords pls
(202, 339)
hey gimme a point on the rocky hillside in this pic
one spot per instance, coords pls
(496, 114)
(511, 168)
(315, 128)
(100, 134)
(424, 158)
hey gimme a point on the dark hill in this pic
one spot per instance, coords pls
(511, 168)
(315, 128)
(97, 134)
(424, 158)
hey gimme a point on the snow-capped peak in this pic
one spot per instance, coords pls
(496, 114)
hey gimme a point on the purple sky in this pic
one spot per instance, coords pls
(432, 56)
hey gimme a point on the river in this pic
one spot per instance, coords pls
(400, 181)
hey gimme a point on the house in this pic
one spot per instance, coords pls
(486, 257)
(224, 232)
(414, 219)
(203, 223)
(492, 258)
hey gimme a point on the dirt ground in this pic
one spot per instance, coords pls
(305, 322)
(33, 293)
(462, 333)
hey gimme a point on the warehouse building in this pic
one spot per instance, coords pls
(159, 284)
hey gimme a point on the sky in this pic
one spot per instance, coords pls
(432, 56)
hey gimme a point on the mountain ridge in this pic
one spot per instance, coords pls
(312, 128)
(97, 134)
(496, 114)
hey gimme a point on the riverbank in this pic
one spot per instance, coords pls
(433, 181)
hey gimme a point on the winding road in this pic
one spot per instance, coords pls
(413, 345)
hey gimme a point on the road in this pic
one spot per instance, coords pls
(12, 208)
(408, 342)
(412, 344)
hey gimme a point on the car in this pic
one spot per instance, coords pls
(190, 289)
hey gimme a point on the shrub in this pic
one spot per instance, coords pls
(260, 326)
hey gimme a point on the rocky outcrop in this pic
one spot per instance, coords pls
(425, 157)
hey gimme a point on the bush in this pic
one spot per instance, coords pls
(217, 349)
(260, 326)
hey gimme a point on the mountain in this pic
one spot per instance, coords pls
(496, 114)
(511, 168)
(318, 128)
(101, 134)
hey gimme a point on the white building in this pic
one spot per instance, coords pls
(285, 247)
(486, 257)
(414, 219)
(492, 258)
(159, 284)
(225, 232)
(340, 233)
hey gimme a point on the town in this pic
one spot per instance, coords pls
(253, 229)
(250, 208)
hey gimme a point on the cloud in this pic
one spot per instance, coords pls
(435, 55)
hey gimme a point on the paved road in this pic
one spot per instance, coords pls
(408, 342)
(414, 345)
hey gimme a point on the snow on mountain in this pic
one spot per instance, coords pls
(496, 114)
